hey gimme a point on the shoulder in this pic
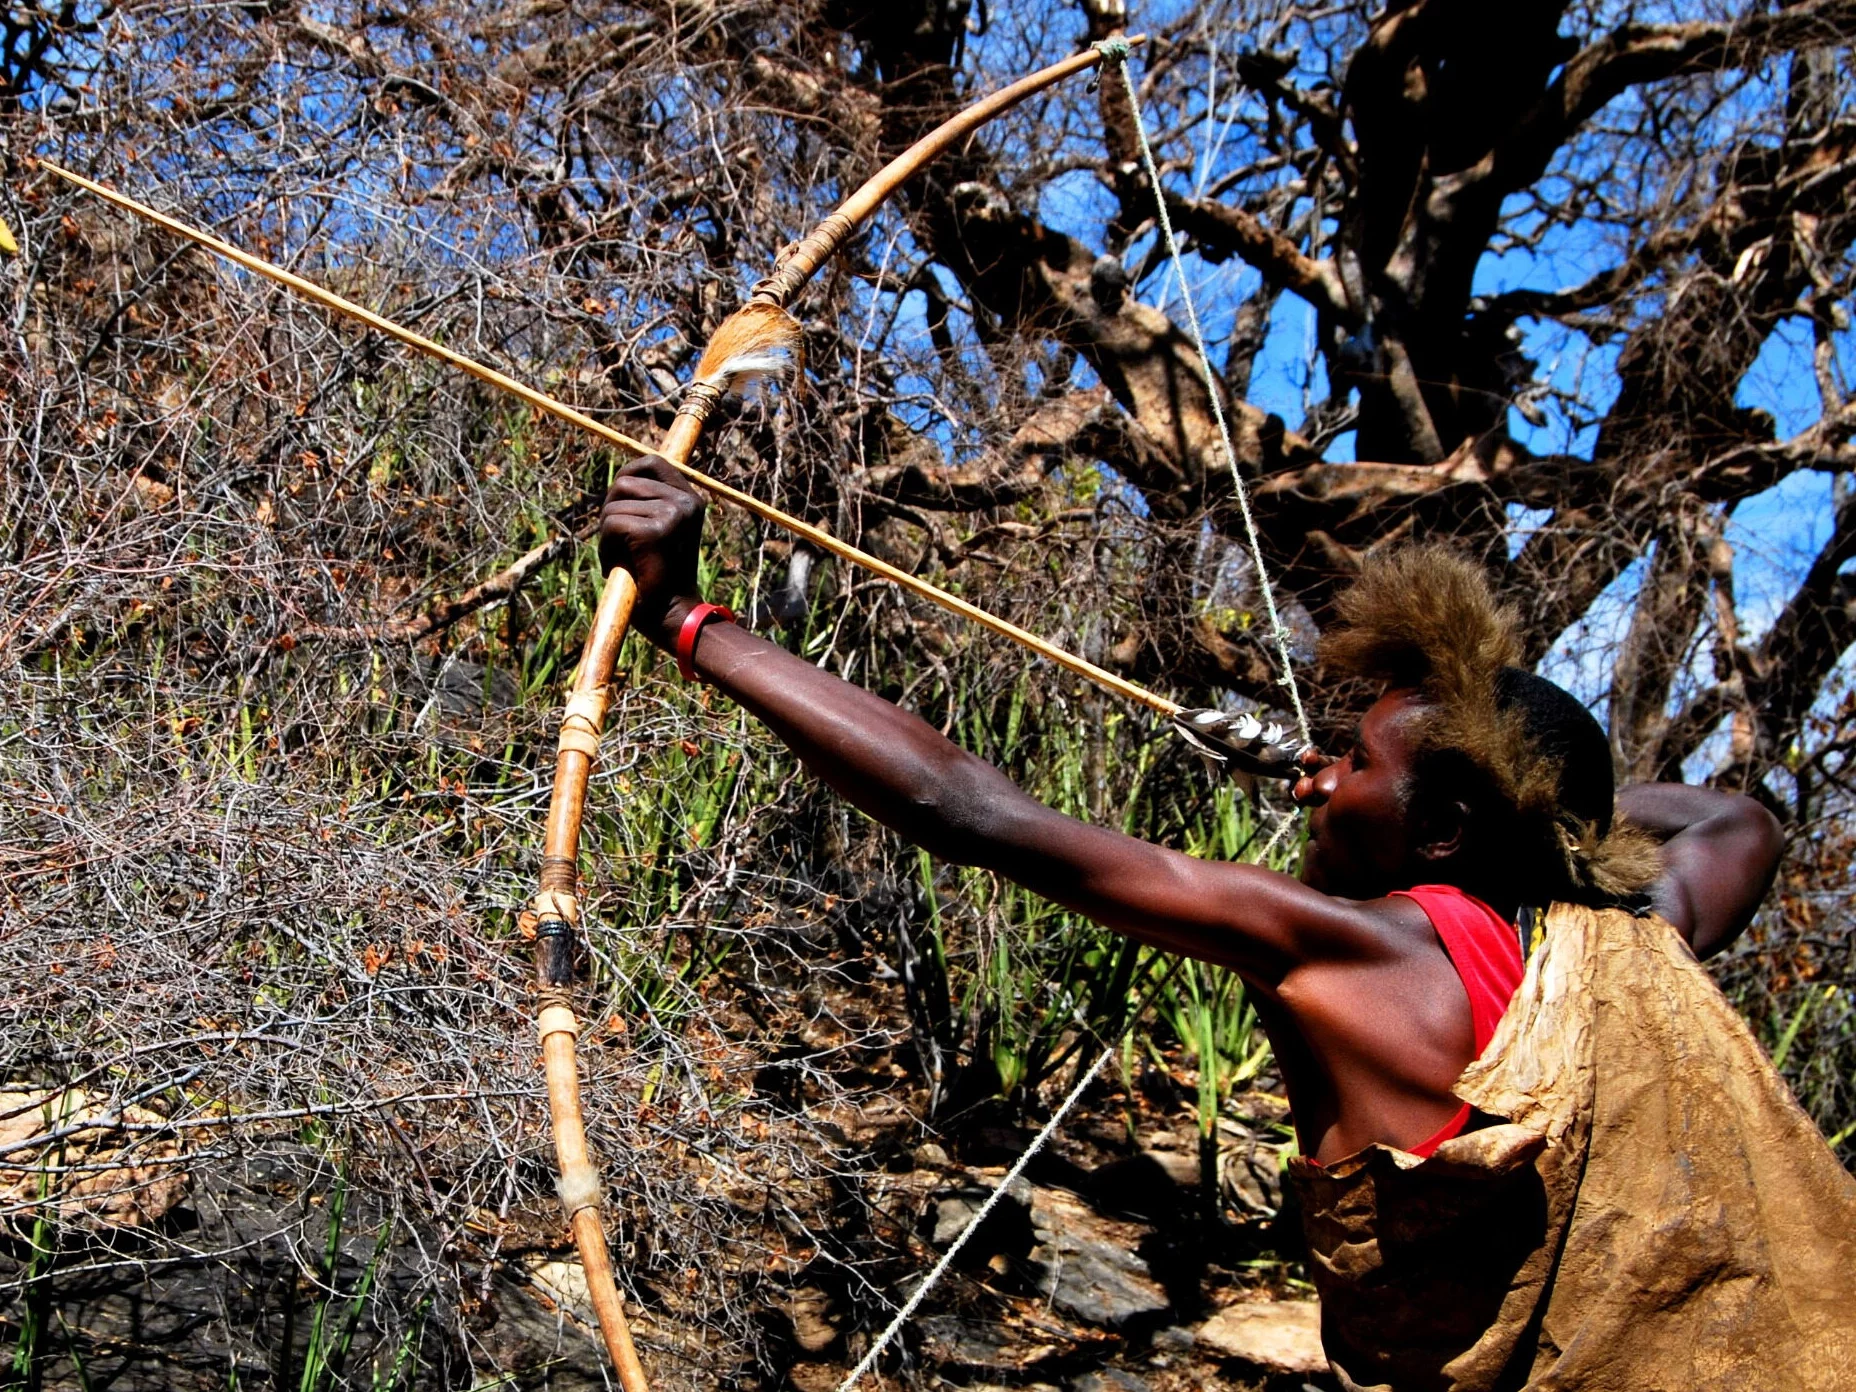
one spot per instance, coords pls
(1392, 927)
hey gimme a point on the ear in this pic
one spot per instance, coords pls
(1443, 830)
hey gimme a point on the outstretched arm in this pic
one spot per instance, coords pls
(902, 772)
(1720, 852)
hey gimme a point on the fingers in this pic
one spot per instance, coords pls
(672, 510)
(648, 471)
(643, 494)
(643, 519)
(634, 522)
(651, 523)
(652, 487)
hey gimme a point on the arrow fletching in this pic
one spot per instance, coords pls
(1238, 742)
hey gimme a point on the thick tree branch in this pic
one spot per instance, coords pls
(1222, 230)
(1774, 686)
(914, 472)
(1037, 280)
(1601, 289)
(1637, 54)
(1657, 646)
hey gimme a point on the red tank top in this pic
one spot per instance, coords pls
(1486, 952)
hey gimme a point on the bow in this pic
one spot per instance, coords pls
(759, 336)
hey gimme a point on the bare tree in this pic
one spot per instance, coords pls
(1362, 168)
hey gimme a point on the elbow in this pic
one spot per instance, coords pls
(1756, 842)
(1770, 834)
(1753, 826)
(1773, 830)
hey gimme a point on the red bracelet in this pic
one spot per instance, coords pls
(686, 635)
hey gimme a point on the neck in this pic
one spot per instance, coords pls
(1489, 889)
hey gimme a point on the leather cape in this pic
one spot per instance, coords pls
(1651, 1209)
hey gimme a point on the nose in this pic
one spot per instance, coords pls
(1313, 789)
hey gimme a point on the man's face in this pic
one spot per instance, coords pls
(1360, 842)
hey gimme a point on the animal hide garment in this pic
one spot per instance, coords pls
(1653, 1210)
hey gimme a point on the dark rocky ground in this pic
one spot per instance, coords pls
(1108, 1268)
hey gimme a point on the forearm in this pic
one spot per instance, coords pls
(1720, 853)
(905, 774)
(884, 760)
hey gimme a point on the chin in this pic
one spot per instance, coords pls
(1341, 882)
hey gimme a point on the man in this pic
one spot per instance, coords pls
(1471, 790)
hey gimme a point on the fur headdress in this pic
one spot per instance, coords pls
(1424, 618)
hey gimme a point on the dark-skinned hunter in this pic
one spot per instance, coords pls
(1472, 818)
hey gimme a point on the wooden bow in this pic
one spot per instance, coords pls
(750, 341)
(759, 328)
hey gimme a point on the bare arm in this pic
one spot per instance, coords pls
(1720, 852)
(900, 771)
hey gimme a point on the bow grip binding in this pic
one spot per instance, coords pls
(556, 915)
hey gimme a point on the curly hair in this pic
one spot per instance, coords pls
(1527, 754)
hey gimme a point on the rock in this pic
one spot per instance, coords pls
(97, 1175)
(1160, 1182)
(1175, 1155)
(563, 1283)
(809, 1309)
(951, 1217)
(1109, 1380)
(1089, 1268)
(524, 1339)
(814, 1377)
(1250, 1176)
(867, 1119)
(1264, 1107)
(987, 1346)
(455, 687)
(1174, 1338)
(953, 1213)
(1182, 1170)
(1147, 1186)
(1280, 1336)
(931, 1156)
